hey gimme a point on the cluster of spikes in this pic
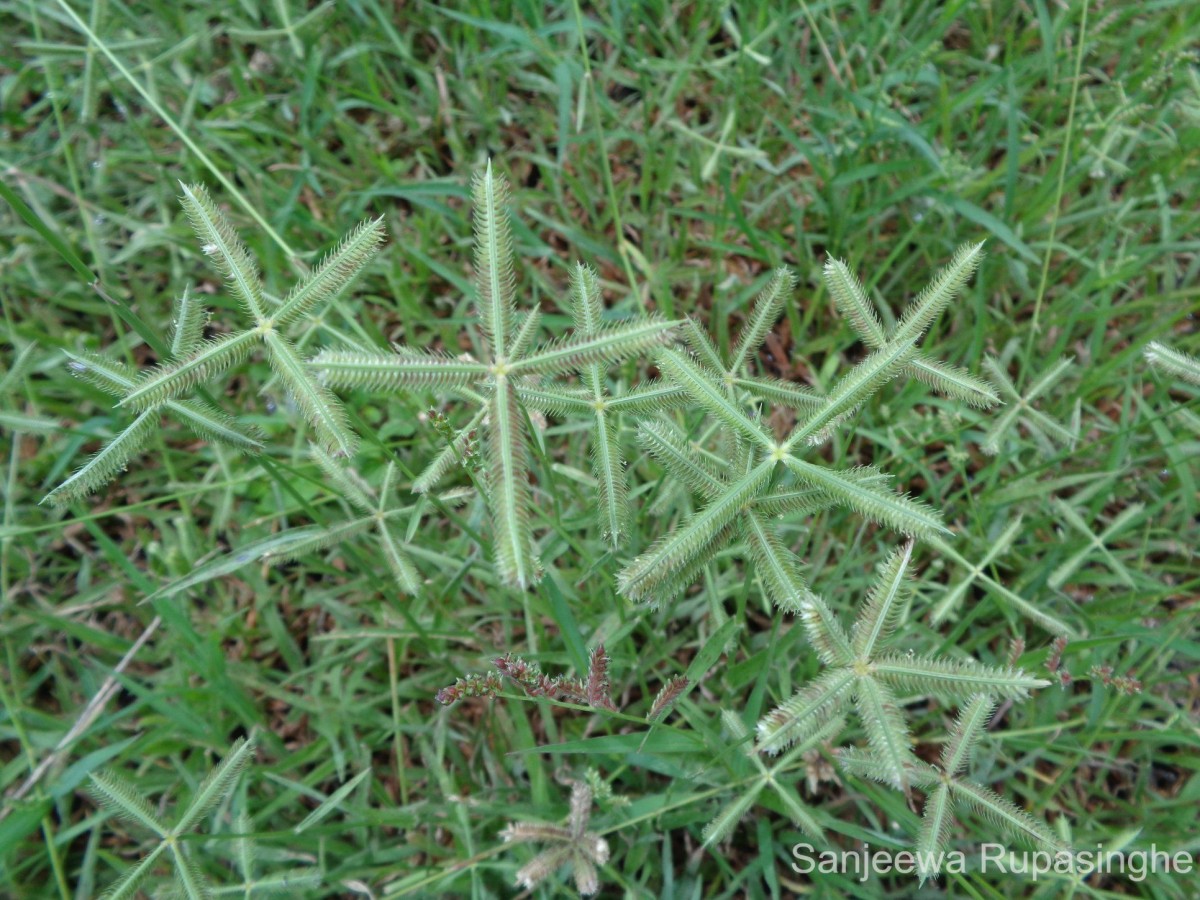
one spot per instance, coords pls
(758, 477)
(752, 478)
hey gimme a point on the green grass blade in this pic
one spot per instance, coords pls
(331, 803)
(48, 234)
(297, 543)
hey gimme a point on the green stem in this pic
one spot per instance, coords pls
(1062, 175)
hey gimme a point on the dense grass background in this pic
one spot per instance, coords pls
(684, 150)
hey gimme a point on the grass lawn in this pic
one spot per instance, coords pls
(684, 151)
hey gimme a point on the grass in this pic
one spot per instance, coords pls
(685, 152)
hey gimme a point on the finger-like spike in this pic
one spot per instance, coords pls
(945, 286)
(766, 310)
(495, 280)
(508, 489)
(221, 243)
(852, 301)
(335, 272)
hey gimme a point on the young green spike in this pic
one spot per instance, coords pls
(220, 241)
(495, 279)
(116, 378)
(335, 273)
(1173, 362)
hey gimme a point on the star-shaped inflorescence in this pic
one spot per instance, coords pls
(119, 380)
(851, 299)
(736, 495)
(995, 548)
(1046, 431)
(1098, 543)
(768, 778)
(859, 669)
(378, 515)
(120, 797)
(945, 790)
(571, 844)
(508, 364)
(269, 325)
